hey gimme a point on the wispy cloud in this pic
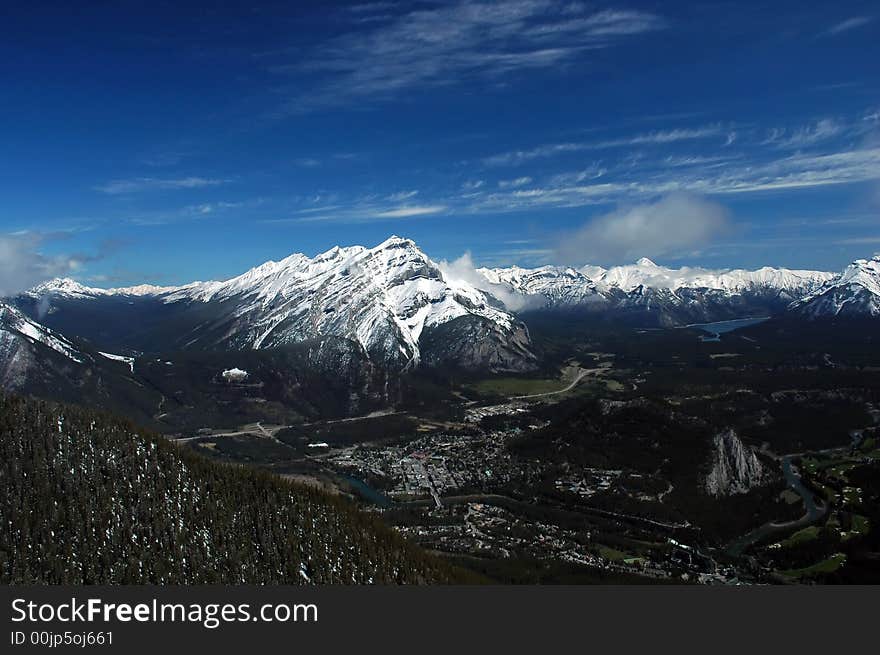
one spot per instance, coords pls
(684, 161)
(400, 196)
(809, 135)
(197, 211)
(448, 43)
(858, 241)
(814, 154)
(407, 212)
(140, 184)
(661, 137)
(357, 211)
(512, 184)
(656, 177)
(849, 24)
(664, 136)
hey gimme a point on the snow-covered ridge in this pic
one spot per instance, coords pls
(68, 288)
(387, 298)
(275, 279)
(13, 323)
(554, 282)
(646, 273)
(384, 298)
(560, 286)
(855, 292)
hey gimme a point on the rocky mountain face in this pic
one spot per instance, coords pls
(647, 293)
(384, 299)
(331, 376)
(548, 286)
(24, 344)
(39, 361)
(734, 469)
(855, 293)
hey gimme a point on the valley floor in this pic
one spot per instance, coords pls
(597, 471)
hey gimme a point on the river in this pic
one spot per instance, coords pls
(367, 492)
(813, 513)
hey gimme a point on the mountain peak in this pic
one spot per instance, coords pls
(855, 292)
(62, 286)
(395, 241)
(644, 261)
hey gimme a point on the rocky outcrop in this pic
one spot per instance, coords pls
(735, 469)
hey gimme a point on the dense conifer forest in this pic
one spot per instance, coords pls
(90, 499)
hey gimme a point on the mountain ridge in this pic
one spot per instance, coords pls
(393, 301)
(855, 292)
(385, 299)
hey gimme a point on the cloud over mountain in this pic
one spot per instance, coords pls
(675, 222)
(22, 265)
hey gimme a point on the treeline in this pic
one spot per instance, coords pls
(89, 499)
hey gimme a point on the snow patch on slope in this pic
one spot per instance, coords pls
(13, 322)
(120, 358)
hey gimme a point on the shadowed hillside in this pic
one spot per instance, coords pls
(89, 499)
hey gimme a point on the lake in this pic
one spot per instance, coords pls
(715, 330)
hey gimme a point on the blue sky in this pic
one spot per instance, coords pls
(172, 141)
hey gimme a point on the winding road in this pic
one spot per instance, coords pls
(580, 376)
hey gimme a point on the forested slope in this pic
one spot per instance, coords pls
(89, 499)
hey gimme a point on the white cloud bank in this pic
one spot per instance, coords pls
(22, 266)
(464, 270)
(676, 222)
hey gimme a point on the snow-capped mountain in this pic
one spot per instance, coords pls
(854, 293)
(547, 285)
(668, 296)
(64, 287)
(648, 274)
(570, 284)
(403, 310)
(391, 300)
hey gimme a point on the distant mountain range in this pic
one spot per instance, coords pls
(648, 294)
(390, 300)
(391, 308)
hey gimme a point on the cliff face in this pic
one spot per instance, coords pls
(734, 468)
